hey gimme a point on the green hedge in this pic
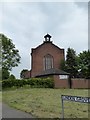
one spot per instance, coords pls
(33, 82)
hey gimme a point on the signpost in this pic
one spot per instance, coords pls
(73, 99)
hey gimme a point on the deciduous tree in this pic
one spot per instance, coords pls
(10, 55)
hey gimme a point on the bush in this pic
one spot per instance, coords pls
(33, 82)
(0, 85)
(11, 77)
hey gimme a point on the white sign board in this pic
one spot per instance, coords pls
(63, 76)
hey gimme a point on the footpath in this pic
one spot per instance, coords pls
(9, 112)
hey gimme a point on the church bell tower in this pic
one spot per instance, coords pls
(47, 38)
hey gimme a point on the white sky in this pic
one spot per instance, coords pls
(27, 22)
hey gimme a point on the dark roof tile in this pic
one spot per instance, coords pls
(52, 71)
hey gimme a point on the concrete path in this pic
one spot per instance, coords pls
(8, 112)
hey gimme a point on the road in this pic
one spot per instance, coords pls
(8, 112)
(0, 110)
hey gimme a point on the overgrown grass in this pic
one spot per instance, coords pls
(45, 102)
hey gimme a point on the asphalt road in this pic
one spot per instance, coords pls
(8, 112)
(0, 110)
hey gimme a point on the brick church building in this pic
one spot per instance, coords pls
(45, 62)
(45, 56)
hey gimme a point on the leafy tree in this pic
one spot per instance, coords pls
(23, 73)
(77, 66)
(63, 65)
(12, 77)
(0, 59)
(10, 55)
(5, 74)
(0, 53)
(84, 64)
(71, 62)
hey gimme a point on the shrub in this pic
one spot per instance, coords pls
(11, 77)
(33, 82)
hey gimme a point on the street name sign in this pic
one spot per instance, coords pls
(73, 99)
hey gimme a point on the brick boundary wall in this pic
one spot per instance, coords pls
(58, 83)
(80, 83)
(75, 83)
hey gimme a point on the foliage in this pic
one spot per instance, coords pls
(0, 53)
(0, 73)
(84, 64)
(70, 65)
(63, 65)
(42, 82)
(33, 82)
(10, 55)
(77, 66)
(23, 72)
(5, 74)
(12, 77)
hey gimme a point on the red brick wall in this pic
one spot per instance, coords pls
(76, 83)
(60, 83)
(38, 54)
(27, 74)
(80, 83)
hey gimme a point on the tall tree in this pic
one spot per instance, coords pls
(84, 64)
(63, 65)
(10, 55)
(0, 52)
(71, 63)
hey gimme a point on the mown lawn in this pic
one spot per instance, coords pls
(46, 103)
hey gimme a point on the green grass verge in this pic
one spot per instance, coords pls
(0, 96)
(46, 103)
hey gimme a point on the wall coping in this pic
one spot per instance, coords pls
(79, 79)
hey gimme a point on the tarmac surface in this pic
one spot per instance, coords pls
(9, 112)
(0, 110)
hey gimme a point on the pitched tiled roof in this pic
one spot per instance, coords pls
(46, 42)
(52, 71)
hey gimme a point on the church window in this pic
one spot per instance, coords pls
(48, 62)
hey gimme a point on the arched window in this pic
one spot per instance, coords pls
(48, 62)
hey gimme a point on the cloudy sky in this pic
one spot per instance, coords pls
(27, 22)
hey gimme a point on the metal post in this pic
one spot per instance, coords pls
(62, 109)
